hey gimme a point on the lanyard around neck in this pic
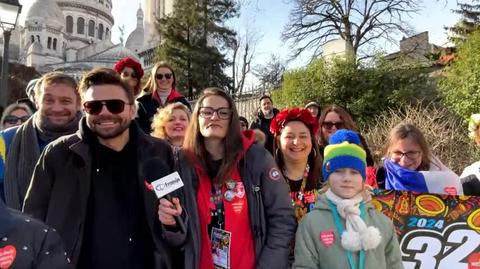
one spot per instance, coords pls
(340, 228)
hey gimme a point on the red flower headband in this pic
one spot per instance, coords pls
(294, 114)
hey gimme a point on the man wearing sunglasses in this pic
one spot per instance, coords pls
(91, 187)
(58, 104)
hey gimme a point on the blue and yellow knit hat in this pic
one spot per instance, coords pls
(344, 151)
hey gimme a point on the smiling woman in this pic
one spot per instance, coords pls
(171, 122)
(297, 156)
(237, 192)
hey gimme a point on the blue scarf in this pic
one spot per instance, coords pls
(403, 179)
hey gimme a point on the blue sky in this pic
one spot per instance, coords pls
(268, 17)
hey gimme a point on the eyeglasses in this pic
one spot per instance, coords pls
(160, 76)
(115, 106)
(223, 113)
(128, 74)
(329, 125)
(11, 119)
(412, 155)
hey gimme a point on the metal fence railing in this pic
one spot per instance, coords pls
(247, 105)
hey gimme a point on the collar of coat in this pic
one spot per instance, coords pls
(86, 137)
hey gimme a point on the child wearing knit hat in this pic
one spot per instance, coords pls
(343, 230)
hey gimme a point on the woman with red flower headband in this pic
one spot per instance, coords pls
(297, 155)
(130, 71)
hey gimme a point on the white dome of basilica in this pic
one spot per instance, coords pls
(45, 11)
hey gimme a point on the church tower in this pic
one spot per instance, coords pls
(154, 10)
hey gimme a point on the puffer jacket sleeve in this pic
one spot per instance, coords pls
(306, 256)
(279, 216)
(393, 256)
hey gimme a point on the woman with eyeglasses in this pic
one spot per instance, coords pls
(14, 114)
(159, 91)
(333, 118)
(238, 208)
(130, 71)
(409, 165)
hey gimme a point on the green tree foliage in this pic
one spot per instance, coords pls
(365, 91)
(469, 21)
(460, 85)
(194, 39)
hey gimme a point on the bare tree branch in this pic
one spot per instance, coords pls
(359, 22)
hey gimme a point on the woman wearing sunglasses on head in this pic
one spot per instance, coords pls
(158, 92)
(130, 71)
(333, 118)
(238, 209)
(15, 114)
(409, 165)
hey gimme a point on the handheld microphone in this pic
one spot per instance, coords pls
(163, 182)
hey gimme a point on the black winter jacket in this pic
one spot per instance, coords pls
(263, 124)
(59, 190)
(29, 244)
(147, 107)
(271, 214)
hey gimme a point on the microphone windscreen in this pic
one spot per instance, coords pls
(154, 169)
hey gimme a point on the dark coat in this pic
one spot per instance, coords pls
(59, 191)
(271, 214)
(29, 244)
(147, 107)
(263, 125)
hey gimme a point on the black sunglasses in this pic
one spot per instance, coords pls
(159, 76)
(11, 119)
(127, 74)
(329, 125)
(115, 106)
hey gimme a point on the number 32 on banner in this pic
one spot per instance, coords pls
(429, 249)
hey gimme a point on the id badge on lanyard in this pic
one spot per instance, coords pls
(221, 241)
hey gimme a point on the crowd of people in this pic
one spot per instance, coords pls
(291, 190)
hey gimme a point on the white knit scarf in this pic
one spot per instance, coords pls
(357, 236)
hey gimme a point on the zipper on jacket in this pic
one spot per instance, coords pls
(256, 193)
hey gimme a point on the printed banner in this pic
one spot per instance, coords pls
(435, 231)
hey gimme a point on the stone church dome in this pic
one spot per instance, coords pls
(46, 11)
(135, 40)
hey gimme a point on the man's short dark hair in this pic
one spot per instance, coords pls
(265, 97)
(104, 76)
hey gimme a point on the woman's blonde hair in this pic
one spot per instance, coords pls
(160, 119)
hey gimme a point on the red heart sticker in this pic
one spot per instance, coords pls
(310, 197)
(474, 261)
(7, 256)
(450, 190)
(327, 238)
